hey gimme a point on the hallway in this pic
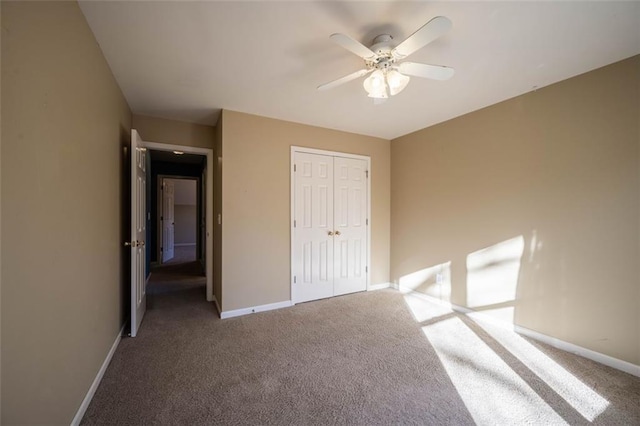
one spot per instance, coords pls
(180, 280)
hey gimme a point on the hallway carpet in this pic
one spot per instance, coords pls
(182, 254)
(369, 358)
(175, 278)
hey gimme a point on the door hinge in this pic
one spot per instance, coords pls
(294, 279)
(161, 248)
(366, 172)
(161, 218)
(295, 167)
(367, 221)
(294, 223)
(366, 269)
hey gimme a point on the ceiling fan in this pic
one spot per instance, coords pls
(389, 76)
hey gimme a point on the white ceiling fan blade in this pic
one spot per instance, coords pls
(344, 79)
(434, 72)
(353, 46)
(425, 35)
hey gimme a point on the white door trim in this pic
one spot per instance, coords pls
(294, 150)
(209, 200)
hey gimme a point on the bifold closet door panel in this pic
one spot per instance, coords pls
(350, 215)
(313, 251)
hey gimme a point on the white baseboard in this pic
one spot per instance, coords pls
(254, 309)
(607, 360)
(380, 286)
(215, 301)
(96, 382)
(184, 244)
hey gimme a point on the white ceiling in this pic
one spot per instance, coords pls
(187, 60)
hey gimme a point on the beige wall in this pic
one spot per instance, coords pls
(185, 220)
(185, 191)
(217, 211)
(558, 167)
(0, 226)
(256, 197)
(185, 211)
(65, 122)
(162, 130)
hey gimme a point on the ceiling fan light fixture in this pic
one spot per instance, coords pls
(376, 85)
(389, 74)
(397, 81)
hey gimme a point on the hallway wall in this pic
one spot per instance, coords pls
(185, 210)
(65, 124)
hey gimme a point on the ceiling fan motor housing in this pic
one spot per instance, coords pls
(382, 48)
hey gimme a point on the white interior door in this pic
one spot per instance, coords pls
(350, 215)
(313, 227)
(168, 220)
(138, 232)
(329, 234)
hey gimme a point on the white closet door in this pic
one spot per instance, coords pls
(350, 215)
(313, 228)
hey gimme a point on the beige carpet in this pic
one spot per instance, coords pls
(368, 358)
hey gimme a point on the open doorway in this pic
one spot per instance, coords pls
(176, 217)
(147, 161)
(179, 220)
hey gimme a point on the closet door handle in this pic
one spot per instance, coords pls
(330, 233)
(337, 232)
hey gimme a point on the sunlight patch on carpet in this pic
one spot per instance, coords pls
(580, 396)
(492, 392)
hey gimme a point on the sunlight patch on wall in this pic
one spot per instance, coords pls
(580, 396)
(492, 277)
(492, 392)
(434, 281)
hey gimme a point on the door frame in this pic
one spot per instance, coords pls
(159, 199)
(296, 149)
(207, 152)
